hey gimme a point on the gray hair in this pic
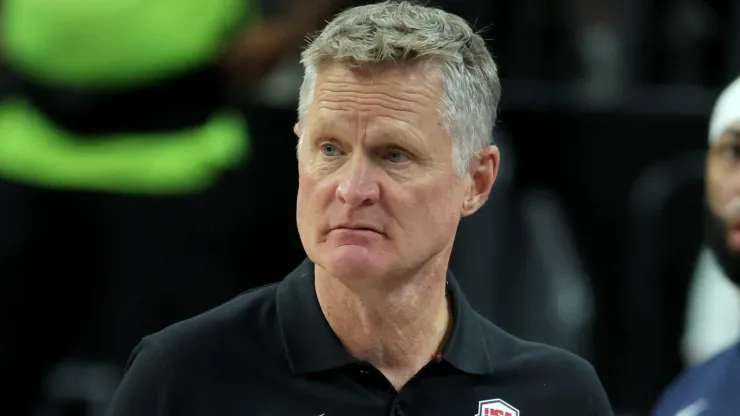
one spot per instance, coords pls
(400, 31)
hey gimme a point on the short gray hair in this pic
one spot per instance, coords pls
(401, 31)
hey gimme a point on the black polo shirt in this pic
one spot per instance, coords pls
(270, 352)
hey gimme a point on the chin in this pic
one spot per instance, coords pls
(352, 262)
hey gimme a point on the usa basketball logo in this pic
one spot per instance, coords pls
(496, 407)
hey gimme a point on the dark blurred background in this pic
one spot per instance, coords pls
(589, 241)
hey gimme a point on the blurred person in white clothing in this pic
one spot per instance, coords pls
(713, 311)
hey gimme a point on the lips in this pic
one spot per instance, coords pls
(358, 227)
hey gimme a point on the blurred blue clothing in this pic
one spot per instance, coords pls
(710, 388)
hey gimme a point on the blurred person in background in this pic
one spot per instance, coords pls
(712, 386)
(118, 147)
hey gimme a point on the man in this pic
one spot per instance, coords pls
(395, 116)
(711, 387)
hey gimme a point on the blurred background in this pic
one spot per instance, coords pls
(589, 242)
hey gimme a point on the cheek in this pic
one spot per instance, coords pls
(434, 210)
(306, 210)
(313, 194)
(306, 188)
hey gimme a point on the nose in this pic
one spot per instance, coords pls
(357, 184)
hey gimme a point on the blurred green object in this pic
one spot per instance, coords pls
(115, 46)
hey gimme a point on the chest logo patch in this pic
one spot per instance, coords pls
(496, 407)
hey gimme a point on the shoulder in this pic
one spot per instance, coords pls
(535, 360)
(247, 313)
(697, 382)
(166, 366)
(556, 377)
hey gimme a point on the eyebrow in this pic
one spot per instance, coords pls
(322, 127)
(384, 136)
(411, 142)
(397, 134)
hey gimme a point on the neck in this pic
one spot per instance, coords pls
(396, 330)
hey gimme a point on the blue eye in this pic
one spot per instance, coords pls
(397, 156)
(329, 149)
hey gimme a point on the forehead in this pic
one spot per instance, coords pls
(407, 92)
(411, 73)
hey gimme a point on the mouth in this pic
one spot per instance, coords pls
(358, 229)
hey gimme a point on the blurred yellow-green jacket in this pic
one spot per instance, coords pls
(119, 95)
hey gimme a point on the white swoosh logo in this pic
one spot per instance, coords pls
(694, 409)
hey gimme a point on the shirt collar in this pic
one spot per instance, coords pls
(312, 346)
(467, 349)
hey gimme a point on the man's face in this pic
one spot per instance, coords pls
(723, 200)
(378, 193)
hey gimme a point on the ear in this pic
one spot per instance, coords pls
(297, 129)
(483, 172)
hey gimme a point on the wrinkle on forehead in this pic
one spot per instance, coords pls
(393, 87)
